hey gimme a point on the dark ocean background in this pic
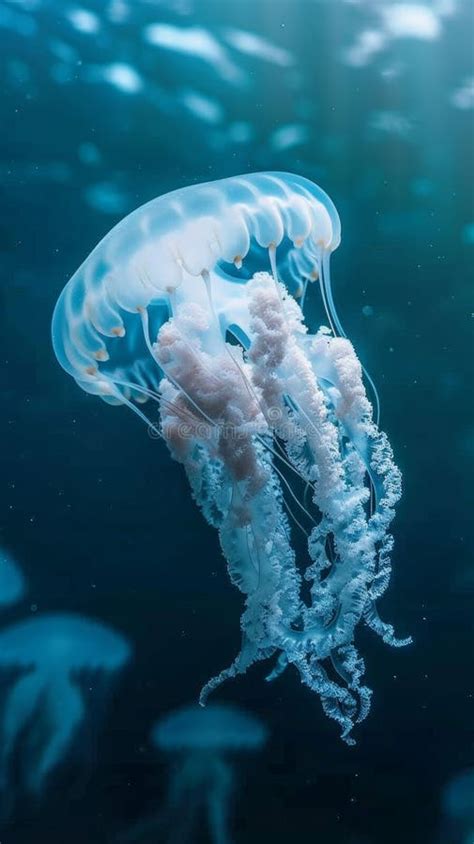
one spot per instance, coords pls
(105, 106)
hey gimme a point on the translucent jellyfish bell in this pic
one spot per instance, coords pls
(458, 797)
(458, 808)
(202, 744)
(215, 727)
(195, 302)
(157, 258)
(12, 582)
(44, 705)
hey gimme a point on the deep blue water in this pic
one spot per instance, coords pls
(97, 119)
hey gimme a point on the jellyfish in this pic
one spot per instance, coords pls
(203, 744)
(44, 707)
(12, 582)
(197, 303)
(458, 806)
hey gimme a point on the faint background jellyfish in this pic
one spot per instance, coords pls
(44, 662)
(12, 582)
(202, 744)
(196, 302)
(458, 809)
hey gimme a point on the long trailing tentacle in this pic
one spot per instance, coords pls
(243, 491)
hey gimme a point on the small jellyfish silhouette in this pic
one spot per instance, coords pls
(44, 707)
(12, 582)
(270, 420)
(458, 806)
(203, 744)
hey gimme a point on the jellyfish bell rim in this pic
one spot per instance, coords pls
(319, 194)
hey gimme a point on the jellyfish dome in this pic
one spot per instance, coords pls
(458, 797)
(215, 727)
(12, 582)
(202, 744)
(195, 303)
(44, 705)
